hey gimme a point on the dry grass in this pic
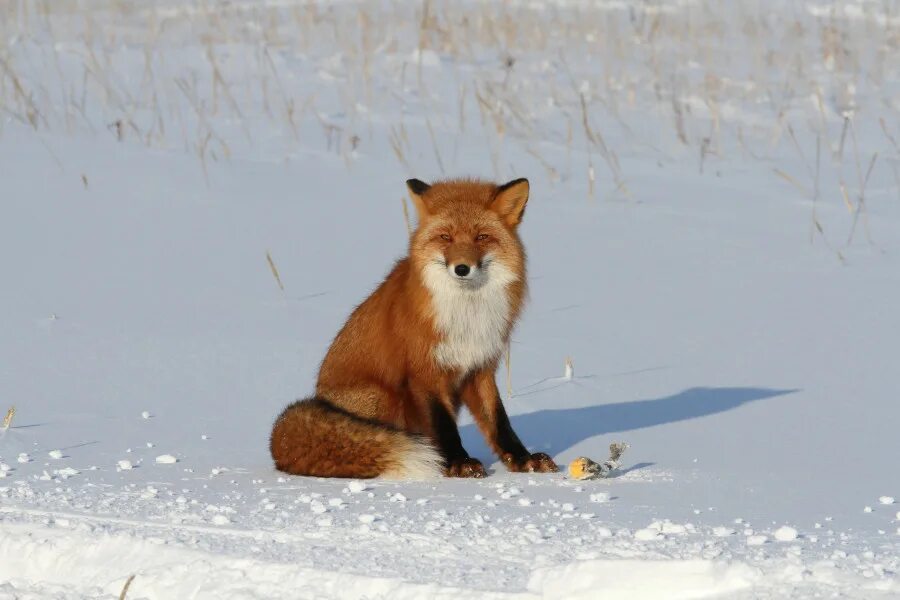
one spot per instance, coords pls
(7, 420)
(679, 78)
(274, 270)
(409, 227)
(125, 587)
(509, 388)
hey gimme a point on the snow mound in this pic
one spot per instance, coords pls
(35, 557)
(785, 534)
(638, 579)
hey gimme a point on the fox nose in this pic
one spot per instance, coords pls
(462, 270)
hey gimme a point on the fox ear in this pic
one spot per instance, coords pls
(417, 189)
(509, 201)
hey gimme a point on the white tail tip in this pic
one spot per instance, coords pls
(416, 460)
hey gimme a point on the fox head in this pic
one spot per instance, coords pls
(467, 232)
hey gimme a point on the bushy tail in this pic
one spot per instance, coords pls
(314, 437)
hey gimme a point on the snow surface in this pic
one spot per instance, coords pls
(691, 294)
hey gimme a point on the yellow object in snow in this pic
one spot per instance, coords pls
(584, 468)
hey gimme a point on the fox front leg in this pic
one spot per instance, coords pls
(482, 398)
(445, 433)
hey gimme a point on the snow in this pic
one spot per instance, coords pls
(722, 531)
(756, 540)
(357, 487)
(66, 472)
(785, 534)
(735, 328)
(600, 497)
(648, 534)
(642, 579)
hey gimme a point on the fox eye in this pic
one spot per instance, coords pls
(481, 237)
(446, 237)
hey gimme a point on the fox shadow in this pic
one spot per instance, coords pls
(556, 430)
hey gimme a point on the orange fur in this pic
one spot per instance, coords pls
(428, 339)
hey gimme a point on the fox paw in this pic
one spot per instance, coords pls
(530, 463)
(465, 467)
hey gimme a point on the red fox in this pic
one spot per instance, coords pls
(428, 340)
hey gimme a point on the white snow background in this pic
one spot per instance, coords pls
(713, 236)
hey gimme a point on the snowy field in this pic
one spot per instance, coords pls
(714, 240)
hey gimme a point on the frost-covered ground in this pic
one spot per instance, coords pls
(729, 301)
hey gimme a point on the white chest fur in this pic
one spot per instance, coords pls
(473, 321)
